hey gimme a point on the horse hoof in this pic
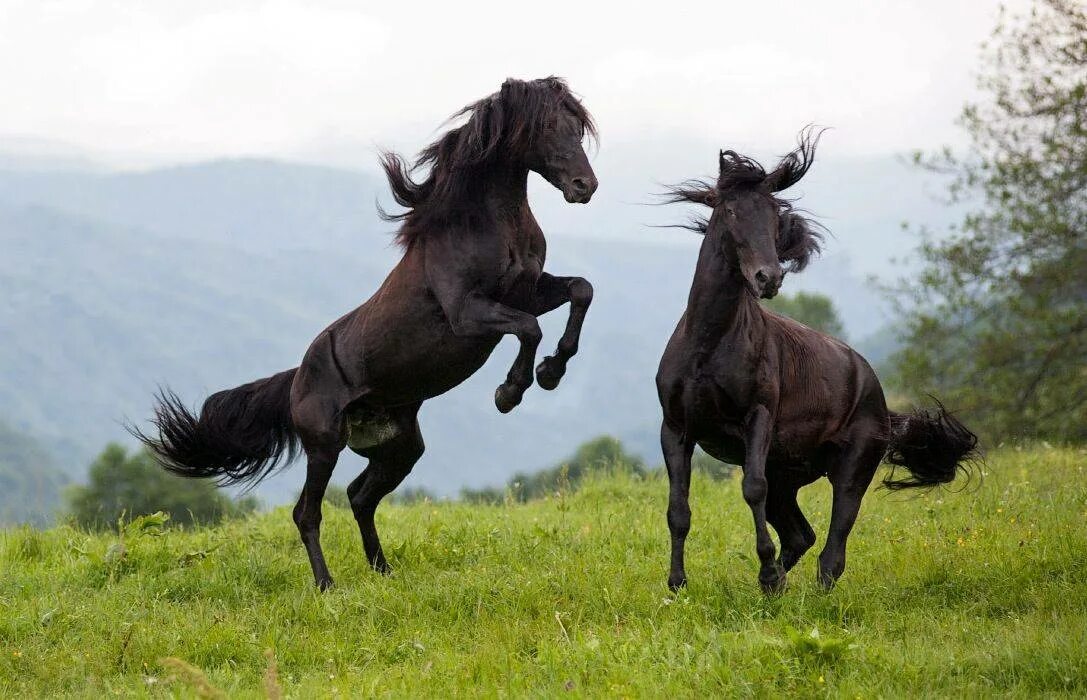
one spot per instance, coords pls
(548, 374)
(827, 582)
(325, 584)
(506, 398)
(677, 582)
(775, 583)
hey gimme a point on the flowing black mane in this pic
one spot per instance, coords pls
(800, 237)
(503, 125)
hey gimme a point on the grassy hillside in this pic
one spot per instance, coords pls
(976, 593)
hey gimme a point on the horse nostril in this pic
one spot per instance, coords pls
(580, 185)
(761, 277)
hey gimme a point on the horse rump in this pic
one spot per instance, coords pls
(932, 445)
(240, 434)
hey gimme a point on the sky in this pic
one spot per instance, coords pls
(153, 82)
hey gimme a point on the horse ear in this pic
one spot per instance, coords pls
(796, 163)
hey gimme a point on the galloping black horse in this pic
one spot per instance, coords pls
(787, 402)
(472, 271)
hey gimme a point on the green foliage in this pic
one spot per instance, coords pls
(601, 454)
(810, 308)
(973, 594)
(997, 320)
(412, 494)
(337, 496)
(129, 486)
(30, 482)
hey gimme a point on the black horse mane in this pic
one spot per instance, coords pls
(509, 121)
(800, 237)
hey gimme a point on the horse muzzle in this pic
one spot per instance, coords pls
(579, 190)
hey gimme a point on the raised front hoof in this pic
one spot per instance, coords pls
(506, 397)
(549, 373)
(773, 582)
(676, 582)
(324, 584)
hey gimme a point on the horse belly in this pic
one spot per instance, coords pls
(426, 370)
(367, 428)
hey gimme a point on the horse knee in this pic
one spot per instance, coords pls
(754, 489)
(679, 520)
(307, 520)
(581, 292)
(412, 453)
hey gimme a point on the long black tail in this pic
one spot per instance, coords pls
(933, 445)
(240, 435)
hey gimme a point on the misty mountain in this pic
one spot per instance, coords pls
(31, 484)
(210, 275)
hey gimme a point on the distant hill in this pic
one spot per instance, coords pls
(206, 276)
(30, 481)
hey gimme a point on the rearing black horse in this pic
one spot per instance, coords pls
(472, 271)
(788, 403)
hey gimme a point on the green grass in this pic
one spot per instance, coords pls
(974, 593)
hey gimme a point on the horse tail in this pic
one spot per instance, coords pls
(933, 445)
(240, 434)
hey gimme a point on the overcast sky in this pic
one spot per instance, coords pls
(159, 81)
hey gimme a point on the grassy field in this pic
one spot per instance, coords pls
(963, 594)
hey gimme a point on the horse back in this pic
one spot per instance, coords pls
(824, 384)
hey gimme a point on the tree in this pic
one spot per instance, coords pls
(811, 309)
(136, 485)
(599, 454)
(997, 319)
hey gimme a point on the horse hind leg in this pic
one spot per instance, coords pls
(307, 512)
(321, 430)
(794, 532)
(850, 477)
(390, 463)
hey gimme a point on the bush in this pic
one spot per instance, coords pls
(599, 454)
(135, 485)
(716, 470)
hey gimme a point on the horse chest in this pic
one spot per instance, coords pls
(522, 270)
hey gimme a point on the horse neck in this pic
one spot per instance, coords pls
(503, 187)
(719, 303)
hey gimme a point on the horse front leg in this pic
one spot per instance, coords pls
(755, 490)
(677, 460)
(477, 315)
(551, 293)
